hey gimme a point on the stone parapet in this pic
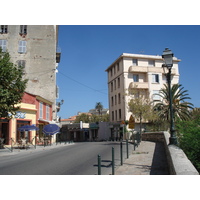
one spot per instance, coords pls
(178, 162)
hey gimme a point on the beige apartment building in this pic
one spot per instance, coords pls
(131, 71)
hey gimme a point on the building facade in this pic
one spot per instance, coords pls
(135, 71)
(33, 109)
(35, 48)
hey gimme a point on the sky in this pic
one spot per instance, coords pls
(87, 51)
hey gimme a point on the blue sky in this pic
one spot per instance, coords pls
(88, 50)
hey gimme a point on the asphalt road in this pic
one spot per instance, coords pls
(76, 159)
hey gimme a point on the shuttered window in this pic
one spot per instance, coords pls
(155, 78)
(23, 29)
(3, 29)
(3, 45)
(22, 46)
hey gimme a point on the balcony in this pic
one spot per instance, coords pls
(142, 69)
(134, 69)
(139, 85)
(58, 54)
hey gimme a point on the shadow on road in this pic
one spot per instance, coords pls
(104, 165)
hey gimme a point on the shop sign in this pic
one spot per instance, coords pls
(20, 115)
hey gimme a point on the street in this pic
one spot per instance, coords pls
(77, 159)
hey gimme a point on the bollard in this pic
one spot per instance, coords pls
(99, 165)
(127, 148)
(35, 141)
(11, 146)
(113, 161)
(121, 152)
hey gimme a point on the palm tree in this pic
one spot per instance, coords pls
(99, 107)
(181, 107)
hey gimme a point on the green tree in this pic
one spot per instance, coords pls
(85, 118)
(181, 107)
(12, 85)
(141, 106)
(188, 133)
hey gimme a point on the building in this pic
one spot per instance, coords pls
(70, 120)
(135, 71)
(96, 112)
(82, 132)
(33, 109)
(35, 48)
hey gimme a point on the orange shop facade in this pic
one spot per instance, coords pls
(32, 110)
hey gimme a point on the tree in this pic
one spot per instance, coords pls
(188, 133)
(12, 85)
(99, 107)
(141, 106)
(85, 118)
(181, 107)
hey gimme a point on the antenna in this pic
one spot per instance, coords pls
(141, 52)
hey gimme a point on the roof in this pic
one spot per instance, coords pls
(73, 118)
(129, 55)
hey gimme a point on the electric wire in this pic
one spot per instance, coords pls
(82, 84)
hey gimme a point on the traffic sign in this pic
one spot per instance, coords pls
(131, 122)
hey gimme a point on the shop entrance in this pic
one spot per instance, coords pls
(22, 134)
(4, 131)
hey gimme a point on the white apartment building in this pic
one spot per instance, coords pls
(130, 71)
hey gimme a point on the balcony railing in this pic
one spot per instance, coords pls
(139, 85)
(142, 69)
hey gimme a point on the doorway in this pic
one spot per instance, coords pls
(4, 132)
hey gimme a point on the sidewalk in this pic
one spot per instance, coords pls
(148, 159)
(7, 152)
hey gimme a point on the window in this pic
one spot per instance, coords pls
(120, 114)
(23, 30)
(118, 82)
(115, 99)
(155, 78)
(152, 63)
(3, 45)
(156, 95)
(111, 73)
(22, 63)
(3, 29)
(41, 110)
(135, 77)
(119, 98)
(117, 66)
(112, 115)
(22, 46)
(111, 85)
(135, 62)
(112, 101)
(47, 112)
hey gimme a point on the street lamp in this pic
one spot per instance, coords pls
(168, 59)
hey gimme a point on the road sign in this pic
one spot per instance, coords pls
(131, 122)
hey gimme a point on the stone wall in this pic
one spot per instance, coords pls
(178, 162)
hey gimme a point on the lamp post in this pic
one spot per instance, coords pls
(168, 59)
